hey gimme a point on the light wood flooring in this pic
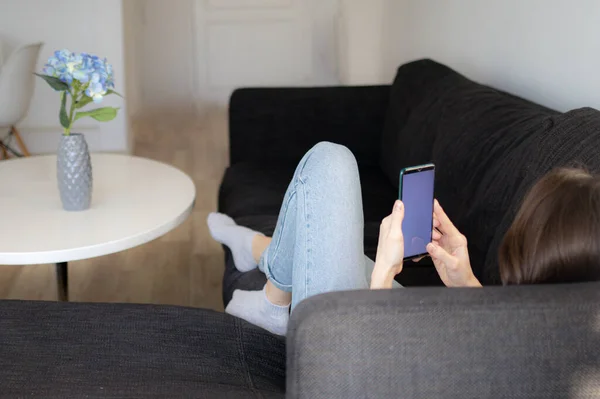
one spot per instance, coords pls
(185, 266)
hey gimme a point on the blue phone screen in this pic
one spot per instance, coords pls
(417, 196)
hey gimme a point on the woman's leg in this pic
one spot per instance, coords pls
(317, 245)
(279, 297)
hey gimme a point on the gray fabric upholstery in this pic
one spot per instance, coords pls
(80, 350)
(500, 342)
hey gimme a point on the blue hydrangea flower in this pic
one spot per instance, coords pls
(95, 75)
(96, 88)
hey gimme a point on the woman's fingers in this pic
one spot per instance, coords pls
(383, 232)
(439, 253)
(391, 225)
(435, 234)
(384, 228)
(445, 225)
(390, 249)
(396, 221)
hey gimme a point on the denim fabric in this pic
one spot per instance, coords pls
(317, 245)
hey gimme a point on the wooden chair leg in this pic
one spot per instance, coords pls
(22, 145)
(4, 153)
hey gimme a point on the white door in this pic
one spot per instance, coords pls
(260, 43)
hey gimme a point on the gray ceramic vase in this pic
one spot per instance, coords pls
(74, 172)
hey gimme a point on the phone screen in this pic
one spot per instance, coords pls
(417, 196)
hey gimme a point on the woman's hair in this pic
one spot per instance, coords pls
(555, 237)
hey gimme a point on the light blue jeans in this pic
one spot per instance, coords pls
(317, 245)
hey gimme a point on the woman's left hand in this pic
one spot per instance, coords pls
(390, 249)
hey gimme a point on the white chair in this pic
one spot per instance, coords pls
(17, 82)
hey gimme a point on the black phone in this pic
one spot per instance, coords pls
(416, 192)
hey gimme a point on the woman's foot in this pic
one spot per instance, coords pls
(237, 238)
(254, 307)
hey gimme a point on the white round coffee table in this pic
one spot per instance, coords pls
(134, 200)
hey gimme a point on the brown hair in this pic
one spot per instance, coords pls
(555, 236)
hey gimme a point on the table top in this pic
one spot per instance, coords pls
(134, 200)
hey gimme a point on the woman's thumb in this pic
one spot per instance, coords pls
(397, 217)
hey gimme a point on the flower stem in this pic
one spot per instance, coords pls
(74, 95)
(63, 101)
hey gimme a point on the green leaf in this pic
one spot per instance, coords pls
(100, 114)
(85, 100)
(55, 83)
(109, 91)
(64, 119)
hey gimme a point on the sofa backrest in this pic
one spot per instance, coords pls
(489, 148)
(571, 139)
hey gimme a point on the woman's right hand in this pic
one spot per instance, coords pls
(449, 252)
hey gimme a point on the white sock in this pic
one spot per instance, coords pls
(238, 238)
(254, 307)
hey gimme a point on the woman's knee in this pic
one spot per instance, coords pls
(332, 162)
(332, 154)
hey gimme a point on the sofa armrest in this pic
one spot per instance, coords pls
(281, 124)
(530, 342)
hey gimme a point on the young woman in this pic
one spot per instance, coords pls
(317, 245)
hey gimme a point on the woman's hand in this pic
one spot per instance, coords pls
(390, 249)
(449, 252)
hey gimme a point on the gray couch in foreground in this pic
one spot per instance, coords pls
(496, 342)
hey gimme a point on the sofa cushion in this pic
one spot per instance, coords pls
(76, 350)
(571, 139)
(410, 125)
(477, 137)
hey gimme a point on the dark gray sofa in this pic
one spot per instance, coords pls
(495, 342)
(420, 342)
(489, 148)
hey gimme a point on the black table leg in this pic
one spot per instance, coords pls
(62, 281)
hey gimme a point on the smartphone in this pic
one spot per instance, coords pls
(416, 192)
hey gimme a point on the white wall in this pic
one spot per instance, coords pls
(161, 55)
(79, 25)
(361, 41)
(132, 34)
(188, 55)
(545, 50)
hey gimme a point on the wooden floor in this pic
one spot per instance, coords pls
(185, 266)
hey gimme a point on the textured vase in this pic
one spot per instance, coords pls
(74, 172)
